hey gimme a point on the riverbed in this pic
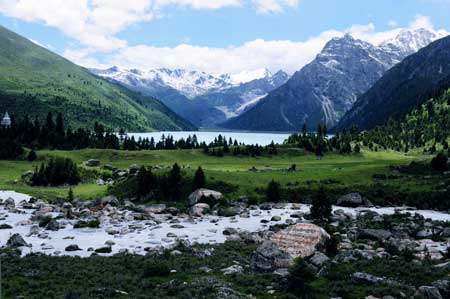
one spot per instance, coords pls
(124, 232)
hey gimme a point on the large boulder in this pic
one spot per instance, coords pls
(301, 240)
(350, 200)
(204, 195)
(269, 257)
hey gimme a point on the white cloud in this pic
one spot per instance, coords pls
(274, 6)
(273, 54)
(392, 23)
(95, 23)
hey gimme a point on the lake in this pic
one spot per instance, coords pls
(208, 136)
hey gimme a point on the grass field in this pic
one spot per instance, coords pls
(348, 170)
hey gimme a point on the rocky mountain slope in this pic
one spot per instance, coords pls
(204, 99)
(34, 81)
(325, 89)
(407, 85)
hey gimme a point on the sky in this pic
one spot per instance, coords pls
(215, 36)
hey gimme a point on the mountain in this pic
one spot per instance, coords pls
(325, 89)
(34, 81)
(404, 87)
(202, 98)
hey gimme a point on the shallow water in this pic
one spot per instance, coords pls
(137, 235)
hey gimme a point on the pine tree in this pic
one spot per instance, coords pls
(70, 196)
(174, 182)
(32, 156)
(199, 179)
(273, 191)
(321, 207)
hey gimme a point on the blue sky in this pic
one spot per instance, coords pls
(211, 35)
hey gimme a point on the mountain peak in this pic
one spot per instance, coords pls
(409, 41)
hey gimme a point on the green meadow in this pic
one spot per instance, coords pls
(339, 171)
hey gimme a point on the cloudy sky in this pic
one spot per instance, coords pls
(217, 36)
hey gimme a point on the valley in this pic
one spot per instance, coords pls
(276, 169)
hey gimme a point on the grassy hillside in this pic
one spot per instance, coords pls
(34, 81)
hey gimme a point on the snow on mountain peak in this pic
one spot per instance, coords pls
(409, 41)
(247, 76)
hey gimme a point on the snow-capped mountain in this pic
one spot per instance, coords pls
(204, 99)
(408, 42)
(322, 91)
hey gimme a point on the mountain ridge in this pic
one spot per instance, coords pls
(325, 89)
(34, 81)
(408, 84)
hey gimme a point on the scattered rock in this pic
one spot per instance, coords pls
(374, 234)
(73, 247)
(276, 218)
(199, 210)
(232, 270)
(16, 240)
(92, 163)
(5, 226)
(110, 200)
(350, 200)
(429, 292)
(204, 194)
(269, 257)
(106, 249)
(318, 259)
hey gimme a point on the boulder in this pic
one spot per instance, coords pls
(5, 226)
(73, 247)
(301, 240)
(156, 209)
(204, 194)
(106, 249)
(232, 270)
(110, 200)
(429, 292)
(374, 234)
(53, 225)
(318, 259)
(134, 168)
(100, 182)
(16, 240)
(199, 210)
(229, 211)
(92, 162)
(365, 278)
(9, 203)
(269, 257)
(350, 200)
